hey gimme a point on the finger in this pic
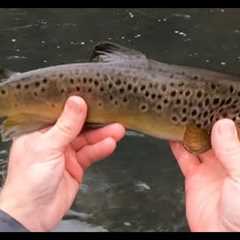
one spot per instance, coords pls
(115, 131)
(92, 153)
(186, 161)
(69, 123)
(226, 146)
(73, 167)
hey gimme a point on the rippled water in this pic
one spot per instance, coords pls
(140, 187)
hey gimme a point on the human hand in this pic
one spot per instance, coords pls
(212, 181)
(46, 168)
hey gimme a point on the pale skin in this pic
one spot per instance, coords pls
(46, 169)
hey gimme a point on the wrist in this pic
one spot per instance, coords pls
(22, 211)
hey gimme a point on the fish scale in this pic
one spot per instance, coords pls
(122, 85)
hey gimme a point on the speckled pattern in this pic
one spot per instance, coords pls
(126, 81)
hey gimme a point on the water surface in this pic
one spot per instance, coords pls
(140, 187)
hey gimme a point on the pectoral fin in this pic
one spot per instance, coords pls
(196, 140)
(17, 125)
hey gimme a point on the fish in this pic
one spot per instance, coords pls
(120, 84)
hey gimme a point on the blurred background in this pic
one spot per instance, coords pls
(140, 187)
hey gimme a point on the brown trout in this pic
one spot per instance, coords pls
(122, 85)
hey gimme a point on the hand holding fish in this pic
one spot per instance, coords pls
(46, 167)
(212, 181)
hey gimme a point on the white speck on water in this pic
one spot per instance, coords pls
(17, 50)
(13, 39)
(45, 61)
(207, 61)
(43, 42)
(223, 63)
(82, 43)
(58, 46)
(142, 186)
(16, 57)
(122, 37)
(131, 15)
(109, 38)
(3, 152)
(185, 16)
(159, 20)
(236, 31)
(238, 58)
(195, 54)
(180, 33)
(222, 10)
(164, 19)
(138, 35)
(128, 224)
(91, 41)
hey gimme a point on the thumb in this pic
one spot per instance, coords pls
(69, 123)
(226, 146)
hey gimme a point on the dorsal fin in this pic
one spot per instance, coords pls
(5, 74)
(112, 52)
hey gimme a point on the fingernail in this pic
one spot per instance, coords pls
(227, 129)
(74, 102)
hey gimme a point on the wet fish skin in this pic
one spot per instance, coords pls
(122, 85)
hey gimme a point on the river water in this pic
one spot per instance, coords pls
(140, 187)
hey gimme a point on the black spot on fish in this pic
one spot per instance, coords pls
(96, 83)
(45, 80)
(90, 90)
(229, 100)
(37, 84)
(62, 91)
(164, 87)
(178, 101)
(78, 88)
(3, 92)
(110, 85)
(84, 80)
(153, 96)
(213, 86)
(207, 102)
(18, 86)
(101, 89)
(184, 119)
(194, 112)
(216, 101)
(205, 114)
(129, 87)
(173, 93)
(187, 93)
(143, 87)
(121, 90)
(43, 89)
(199, 94)
(71, 80)
(159, 107)
(118, 82)
(165, 101)
(125, 99)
